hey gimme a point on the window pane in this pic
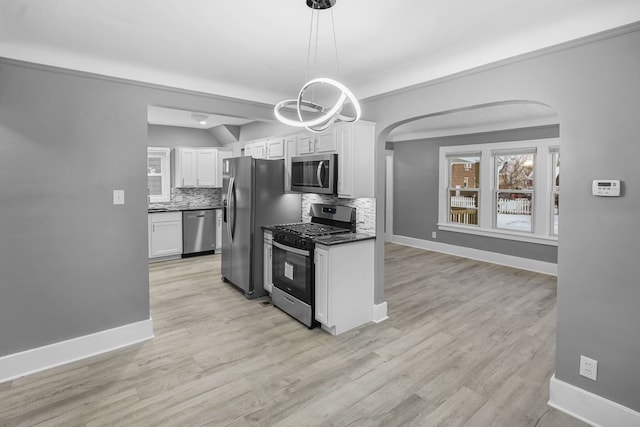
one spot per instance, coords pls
(463, 206)
(154, 183)
(464, 172)
(514, 172)
(514, 211)
(555, 192)
(556, 213)
(154, 165)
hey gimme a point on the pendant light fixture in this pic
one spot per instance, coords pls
(310, 114)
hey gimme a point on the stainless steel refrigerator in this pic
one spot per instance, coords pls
(253, 196)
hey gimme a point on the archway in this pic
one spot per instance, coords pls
(512, 120)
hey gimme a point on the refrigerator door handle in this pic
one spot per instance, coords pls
(231, 204)
(319, 173)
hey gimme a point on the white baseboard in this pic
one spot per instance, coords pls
(38, 359)
(588, 407)
(480, 255)
(380, 312)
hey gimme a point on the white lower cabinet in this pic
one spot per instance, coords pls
(218, 229)
(266, 265)
(165, 234)
(344, 281)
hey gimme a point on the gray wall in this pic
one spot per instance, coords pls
(415, 193)
(174, 136)
(72, 263)
(594, 86)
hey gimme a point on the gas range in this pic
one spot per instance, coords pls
(325, 220)
(292, 266)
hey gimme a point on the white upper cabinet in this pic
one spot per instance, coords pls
(305, 145)
(356, 154)
(324, 142)
(206, 167)
(195, 167)
(275, 148)
(259, 150)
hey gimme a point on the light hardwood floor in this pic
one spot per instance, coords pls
(466, 343)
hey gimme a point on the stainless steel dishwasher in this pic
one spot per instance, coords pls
(198, 232)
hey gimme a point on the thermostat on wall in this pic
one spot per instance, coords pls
(606, 187)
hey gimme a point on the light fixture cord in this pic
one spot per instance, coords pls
(335, 43)
(306, 75)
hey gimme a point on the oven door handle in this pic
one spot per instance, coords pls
(290, 249)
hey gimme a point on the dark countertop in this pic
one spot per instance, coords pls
(334, 239)
(338, 239)
(182, 208)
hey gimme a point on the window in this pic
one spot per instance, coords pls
(158, 174)
(507, 190)
(514, 189)
(555, 188)
(464, 184)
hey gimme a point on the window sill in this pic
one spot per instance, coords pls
(500, 234)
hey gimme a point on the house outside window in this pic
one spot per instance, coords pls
(464, 187)
(501, 190)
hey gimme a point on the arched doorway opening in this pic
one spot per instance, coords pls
(415, 216)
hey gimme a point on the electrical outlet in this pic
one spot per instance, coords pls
(589, 368)
(433, 234)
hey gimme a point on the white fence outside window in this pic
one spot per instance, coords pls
(515, 206)
(463, 202)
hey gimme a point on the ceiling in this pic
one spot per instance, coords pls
(257, 50)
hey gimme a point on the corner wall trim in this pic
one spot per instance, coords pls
(38, 359)
(480, 255)
(379, 312)
(589, 407)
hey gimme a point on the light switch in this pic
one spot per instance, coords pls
(118, 197)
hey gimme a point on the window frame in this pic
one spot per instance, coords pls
(496, 190)
(164, 154)
(450, 187)
(542, 224)
(554, 153)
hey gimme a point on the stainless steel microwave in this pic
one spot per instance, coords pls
(315, 174)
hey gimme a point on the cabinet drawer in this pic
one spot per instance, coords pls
(165, 216)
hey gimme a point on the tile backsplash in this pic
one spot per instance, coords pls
(365, 208)
(192, 198)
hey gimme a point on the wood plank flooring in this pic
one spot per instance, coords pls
(466, 344)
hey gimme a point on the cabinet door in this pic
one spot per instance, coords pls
(206, 160)
(267, 272)
(166, 238)
(218, 229)
(291, 146)
(344, 136)
(248, 150)
(326, 142)
(186, 168)
(275, 148)
(259, 150)
(321, 260)
(305, 144)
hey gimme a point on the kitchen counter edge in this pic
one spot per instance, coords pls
(181, 209)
